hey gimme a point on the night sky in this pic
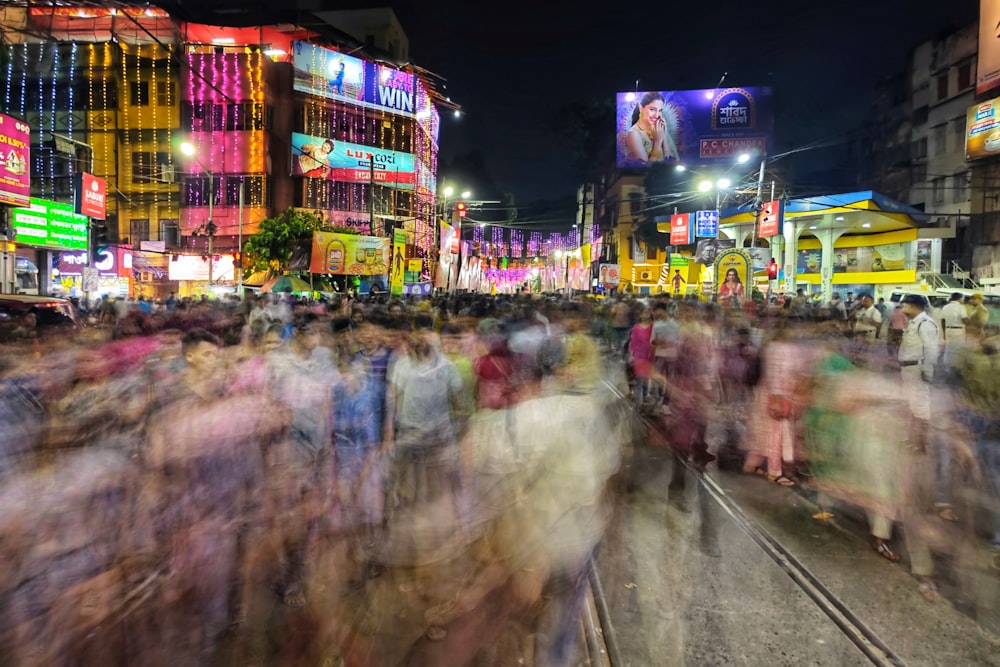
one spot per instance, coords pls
(514, 64)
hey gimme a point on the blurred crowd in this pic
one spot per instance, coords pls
(286, 481)
(293, 482)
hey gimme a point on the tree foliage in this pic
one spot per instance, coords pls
(279, 237)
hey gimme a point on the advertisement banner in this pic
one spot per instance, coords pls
(90, 195)
(708, 249)
(397, 274)
(317, 157)
(681, 231)
(982, 130)
(706, 224)
(110, 262)
(49, 224)
(770, 220)
(195, 268)
(349, 254)
(447, 268)
(610, 275)
(327, 73)
(732, 274)
(15, 170)
(693, 127)
(761, 258)
(988, 62)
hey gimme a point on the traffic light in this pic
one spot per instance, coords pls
(772, 270)
(237, 260)
(461, 208)
(100, 233)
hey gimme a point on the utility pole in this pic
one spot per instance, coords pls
(239, 245)
(210, 228)
(759, 201)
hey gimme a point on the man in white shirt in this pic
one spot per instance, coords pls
(953, 318)
(867, 320)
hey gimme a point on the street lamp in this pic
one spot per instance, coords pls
(466, 194)
(188, 149)
(743, 158)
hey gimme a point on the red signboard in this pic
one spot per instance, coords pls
(92, 193)
(681, 231)
(770, 218)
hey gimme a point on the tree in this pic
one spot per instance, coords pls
(279, 237)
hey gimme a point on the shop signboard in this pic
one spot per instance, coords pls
(988, 56)
(681, 231)
(15, 170)
(610, 275)
(770, 220)
(90, 196)
(49, 224)
(732, 275)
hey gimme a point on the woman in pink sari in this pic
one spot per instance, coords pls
(641, 355)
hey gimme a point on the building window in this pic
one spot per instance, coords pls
(195, 191)
(919, 173)
(164, 93)
(958, 133)
(919, 148)
(939, 132)
(253, 187)
(148, 167)
(942, 86)
(139, 230)
(104, 93)
(964, 76)
(920, 116)
(139, 94)
(958, 187)
(245, 116)
(938, 190)
(170, 232)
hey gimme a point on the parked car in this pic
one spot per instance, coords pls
(51, 314)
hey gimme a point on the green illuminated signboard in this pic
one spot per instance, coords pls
(49, 224)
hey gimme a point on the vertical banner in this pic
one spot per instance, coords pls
(447, 267)
(732, 275)
(988, 62)
(397, 272)
(771, 219)
(681, 231)
(707, 224)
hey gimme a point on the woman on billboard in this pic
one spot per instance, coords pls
(314, 161)
(648, 139)
(731, 291)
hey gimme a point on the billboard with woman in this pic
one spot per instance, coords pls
(732, 277)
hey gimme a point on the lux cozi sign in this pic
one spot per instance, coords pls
(91, 196)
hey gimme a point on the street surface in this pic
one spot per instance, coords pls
(686, 584)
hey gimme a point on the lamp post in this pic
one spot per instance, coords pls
(187, 148)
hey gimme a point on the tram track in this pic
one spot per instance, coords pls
(601, 631)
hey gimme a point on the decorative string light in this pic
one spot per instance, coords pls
(126, 91)
(516, 243)
(72, 81)
(24, 77)
(154, 100)
(170, 104)
(10, 76)
(105, 69)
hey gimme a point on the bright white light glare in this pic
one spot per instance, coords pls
(705, 186)
(867, 225)
(534, 271)
(466, 194)
(448, 191)
(744, 157)
(187, 148)
(558, 254)
(839, 218)
(680, 167)
(458, 114)
(275, 53)
(223, 40)
(709, 94)
(385, 74)
(812, 226)
(630, 97)
(723, 183)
